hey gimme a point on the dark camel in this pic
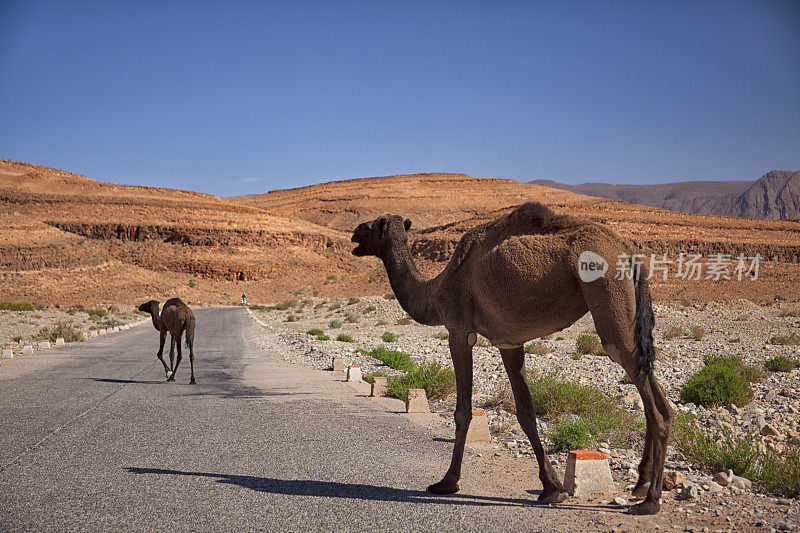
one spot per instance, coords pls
(515, 279)
(176, 317)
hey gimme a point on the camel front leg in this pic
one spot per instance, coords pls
(160, 353)
(514, 361)
(171, 373)
(461, 353)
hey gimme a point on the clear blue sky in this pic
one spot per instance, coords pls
(242, 97)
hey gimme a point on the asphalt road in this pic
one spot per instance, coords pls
(92, 438)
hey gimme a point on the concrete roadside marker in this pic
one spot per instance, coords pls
(27, 348)
(338, 364)
(102, 331)
(44, 345)
(60, 341)
(114, 329)
(380, 384)
(479, 427)
(417, 401)
(354, 373)
(93, 333)
(8, 352)
(587, 473)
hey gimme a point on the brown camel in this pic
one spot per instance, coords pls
(175, 318)
(515, 279)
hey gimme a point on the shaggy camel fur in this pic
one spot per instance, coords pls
(175, 318)
(516, 279)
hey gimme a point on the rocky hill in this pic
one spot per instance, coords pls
(68, 239)
(775, 195)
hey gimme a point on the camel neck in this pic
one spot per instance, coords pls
(415, 293)
(156, 320)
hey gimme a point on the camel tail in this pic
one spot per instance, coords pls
(644, 321)
(190, 332)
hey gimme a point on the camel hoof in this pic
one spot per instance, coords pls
(552, 495)
(193, 382)
(443, 487)
(640, 490)
(645, 508)
(169, 374)
(171, 378)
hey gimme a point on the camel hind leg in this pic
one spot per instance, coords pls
(514, 361)
(190, 342)
(171, 373)
(177, 343)
(613, 306)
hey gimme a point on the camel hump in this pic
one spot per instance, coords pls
(540, 218)
(176, 302)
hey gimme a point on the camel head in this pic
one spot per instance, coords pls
(373, 237)
(150, 307)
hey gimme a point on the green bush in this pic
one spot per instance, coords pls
(537, 348)
(716, 385)
(572, 435)
(97, 312)
(781, 363)
(323, 337)
(392, 359)
(588, 343)
(438, 381)
(369, 377)
(735, 363)
(353, 300)
(626, 379)
(291, 318)
(16, 306)
(559, 338)
(335, 324)
(442, 336)
(342, 337)
(60, 329)
(389, 337)
(600, 417)
(315, 332)
(351, 318)
(792, 339)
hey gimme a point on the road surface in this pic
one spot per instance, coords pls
(92, 438)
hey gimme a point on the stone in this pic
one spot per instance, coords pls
(338, 364)
(673, 480)
(769, 429)
(714, 487)
(44, 345)
(27, 348)
(354, 373)
(619, 500)
(60, 341)
(8, 352)
(689, 492)
(722, 479)
(795, 441)
(587, 472)
(740, 482)
(417, 401)
(380, 384)
(479, 427)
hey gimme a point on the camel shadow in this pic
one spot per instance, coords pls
(332, 489)
(111, 380)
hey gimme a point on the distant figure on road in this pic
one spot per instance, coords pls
(244, 299)
(175, 318)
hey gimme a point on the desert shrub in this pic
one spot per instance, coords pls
(697, 332)
(314, 332)
(714, 451)
(351, 318)
(793, 339)
(335, 324)
(369, 309)
(388, 336)
(319, 305)
(537, 348)
(572, 435)
(781, 363)
(576, 355)
(16, 306)
(789, 312)
(626, 379)
(439, 381)
(258, 307)
(369, 378)
(16, 338)
(588, 343)
(323, 337)
(381, 322)
(406, 320)
(673, 332)
(191, 284)
(390, 296)
(442, 336)
(716, 385)
(283, 306)
(567, 402)
(734, 362)
(392, 359)
(334, 306)
(353, 300)
(97, 312)
(342, 337)
(501, 398)
(780, 472)
(60, 329)
(559, 338)
(291, 318)
(734, 340)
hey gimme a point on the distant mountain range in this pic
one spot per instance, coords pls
(775, 195)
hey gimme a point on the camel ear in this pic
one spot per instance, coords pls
(407, 224)
(382, 223)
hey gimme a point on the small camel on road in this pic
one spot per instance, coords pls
(176, 317)
(515, 279)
